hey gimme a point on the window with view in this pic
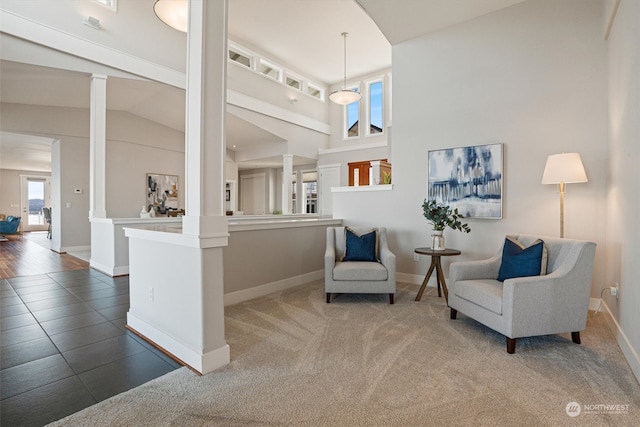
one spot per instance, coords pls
(111, 4)
(294, 83)
(352, 112)
(375, 108)
(239, 58)
(314, 91)
(270, 70)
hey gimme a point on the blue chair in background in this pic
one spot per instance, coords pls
(10, 226)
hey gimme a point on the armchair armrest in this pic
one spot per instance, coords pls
(482, 269)
(330, 254)
(388, 259)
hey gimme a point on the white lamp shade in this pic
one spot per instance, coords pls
(345, 97)
(564, 168)
(173, 13)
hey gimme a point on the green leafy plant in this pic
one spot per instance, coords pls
(442, 216)
(386, 177)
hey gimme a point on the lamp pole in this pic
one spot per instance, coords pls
(561, 188)
(561, 169)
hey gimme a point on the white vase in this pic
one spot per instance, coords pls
(144, 213)
(437, 240)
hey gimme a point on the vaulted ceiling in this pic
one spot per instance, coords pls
(303, 34)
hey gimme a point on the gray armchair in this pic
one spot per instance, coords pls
(358, 276)
(557, 302)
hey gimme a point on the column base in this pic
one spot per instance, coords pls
(200, 362)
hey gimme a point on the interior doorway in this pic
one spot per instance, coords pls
(329, 176)
(253, 194)
(34, 195)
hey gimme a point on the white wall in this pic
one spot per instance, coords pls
(271, 261)
(70, 170)
(158, 43)
(243, 80)
(135, 147)
(623, 201)
(532, 76)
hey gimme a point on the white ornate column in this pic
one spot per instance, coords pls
(287, 171)
(301, 199)
(97, 146)
(176, 278)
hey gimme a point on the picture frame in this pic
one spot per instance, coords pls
(468, 178)
(162, 192)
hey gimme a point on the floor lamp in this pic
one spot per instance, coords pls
(561, 169)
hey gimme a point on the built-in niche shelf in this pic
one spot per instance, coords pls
(369, 172)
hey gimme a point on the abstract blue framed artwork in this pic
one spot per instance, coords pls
(467, 178)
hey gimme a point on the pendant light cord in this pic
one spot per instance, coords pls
(344, 36)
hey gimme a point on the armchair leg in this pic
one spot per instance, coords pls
(328, 297)
(511, 345)
(575, 337)
(454, 313)
(390, 298)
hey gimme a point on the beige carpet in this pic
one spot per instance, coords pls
(360, 361)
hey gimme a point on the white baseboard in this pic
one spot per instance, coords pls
(633, 359)
(121, 271)
(267, 288)
(416, 279)
(594, 303)
(200, 362)
(74, 249)
(111, 271)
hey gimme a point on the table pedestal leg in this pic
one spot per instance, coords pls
(440, 276)
(434, 265)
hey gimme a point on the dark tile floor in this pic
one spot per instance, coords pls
(64, 345)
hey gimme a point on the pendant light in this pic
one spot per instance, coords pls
(173, 13)
(345, 96)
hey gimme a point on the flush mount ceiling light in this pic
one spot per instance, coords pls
(345, 96)
(173, 13)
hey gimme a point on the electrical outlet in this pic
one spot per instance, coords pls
(416, 257)
(615, 290)
(151, 294)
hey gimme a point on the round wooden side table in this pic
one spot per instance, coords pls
(435, 264)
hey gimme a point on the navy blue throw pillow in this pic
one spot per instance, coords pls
(360, 248)
(518, 261)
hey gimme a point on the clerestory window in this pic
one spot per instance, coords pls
(111, 4)
(270, 70)
(240, 58)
